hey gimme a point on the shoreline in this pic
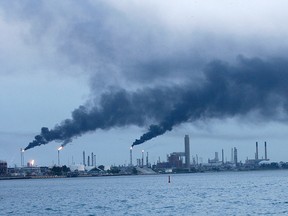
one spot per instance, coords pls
(85, 176)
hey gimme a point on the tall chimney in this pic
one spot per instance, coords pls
(142, 161)
(222, 156)
(88, 162)
(256, 155)
(147, 162)
(187, 151)
(92, 159)
(22, 157)
(265, 145)
(58, 157)
(235, 156)
(131, 163)
(84, 160)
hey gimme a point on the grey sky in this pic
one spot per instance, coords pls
(56, 56)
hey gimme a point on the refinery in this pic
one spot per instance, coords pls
(176, 162)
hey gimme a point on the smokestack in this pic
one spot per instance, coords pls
(187, 151)
(256, 155)
(235, 156)
(147, 159)
(84, 159)
(222, 156)
(60, 148)
(95, 160)
(22, 157)
(131, 163)
(265, 145)
(58, 157)
(88, 161)
(92, 159)
(142, 164)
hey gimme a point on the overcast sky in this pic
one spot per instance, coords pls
(99, 73)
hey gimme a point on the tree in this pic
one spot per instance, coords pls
(114, 170)
(56, 170)
(102, 167)
(60, 170)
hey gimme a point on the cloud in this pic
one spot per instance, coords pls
(144, 44)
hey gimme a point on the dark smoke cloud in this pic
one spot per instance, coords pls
(251, 85)
(117, 108)
(134, 49)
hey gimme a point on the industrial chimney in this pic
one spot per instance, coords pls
(235, 156)
(22, 157)
(92, 159)
(187, 151)
(131, 162)
(142, 161)
(84, 159)
(265, 145)
(256, 154)
(222, 156)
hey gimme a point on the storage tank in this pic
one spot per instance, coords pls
(79, 167)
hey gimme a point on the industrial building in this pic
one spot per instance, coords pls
(3, 167)
(140, 161)
(215, 161)
(257, 160)
(91, 161)
(77, 167)
(175, 159)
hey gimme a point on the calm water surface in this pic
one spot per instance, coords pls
(224, 193)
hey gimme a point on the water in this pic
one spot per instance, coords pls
(224, 193)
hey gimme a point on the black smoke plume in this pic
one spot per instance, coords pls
(250, 85)
(227, 91)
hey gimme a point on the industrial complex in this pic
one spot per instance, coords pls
(177, 162)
